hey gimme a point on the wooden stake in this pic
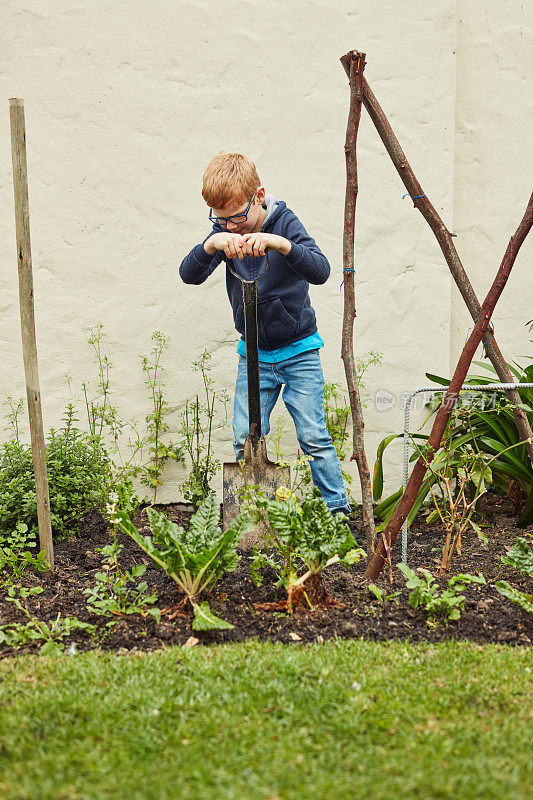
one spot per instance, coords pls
(443, 414)
(27, 322)
(354, 64)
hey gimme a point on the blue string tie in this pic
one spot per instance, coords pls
(483, 354)
(413, 198)
(491, 326)
(345, 270)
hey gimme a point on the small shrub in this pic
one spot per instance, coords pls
(79, 473)
(19, 634)
(198, 424)
(116, 593)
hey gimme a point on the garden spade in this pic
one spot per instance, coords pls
(256, 469)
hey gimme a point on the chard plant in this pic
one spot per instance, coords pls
(520, 557)
(195, 558)
(444, 604)
(307, 531)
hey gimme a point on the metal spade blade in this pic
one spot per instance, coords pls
(256, 469)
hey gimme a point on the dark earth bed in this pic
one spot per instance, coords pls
(487, 617)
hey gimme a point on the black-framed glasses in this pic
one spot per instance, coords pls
(236, 218)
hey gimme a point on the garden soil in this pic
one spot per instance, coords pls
(487, 617)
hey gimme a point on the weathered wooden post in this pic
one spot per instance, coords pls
(354, 64)
(27, 323)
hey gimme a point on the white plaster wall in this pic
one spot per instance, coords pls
(493, 165)
(126, 104)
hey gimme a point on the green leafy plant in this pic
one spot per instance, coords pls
(137, 454)
(15, 557)
(198, 423)
(488, 420)
(117, 593)
(156, 421)
(79, 475)
(102, 415)
(482, 429)
(18, 634)
(298, 475)
(195, 558)
(307, 531)
(123, 436)
(444, 604)
(456, 470)
(259, 561)
(381, 596)
(520, 557)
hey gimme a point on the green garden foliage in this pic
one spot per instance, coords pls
(520, 557)
(15, 557)
(310, 529)
(444, 604)
(199, 421)
(305, 531)
(156, 421)
(116, 592)
(195, 558)
(79, 474)
(18, 634)
(482, 427)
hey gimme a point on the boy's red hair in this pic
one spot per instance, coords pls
(230, 179)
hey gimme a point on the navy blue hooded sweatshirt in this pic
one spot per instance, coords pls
(284, 311)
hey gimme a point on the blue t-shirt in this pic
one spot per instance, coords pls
(313, 342)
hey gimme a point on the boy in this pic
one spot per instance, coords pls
(247, 221)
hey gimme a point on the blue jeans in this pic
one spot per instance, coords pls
(303, 394)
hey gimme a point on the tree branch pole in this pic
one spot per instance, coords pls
(354, 63)
(408, 498)
(444, 238)
(27, 322)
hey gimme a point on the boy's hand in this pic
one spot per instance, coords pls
(255, 244)
(230, 243)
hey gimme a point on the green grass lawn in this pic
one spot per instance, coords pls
(348, 719)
